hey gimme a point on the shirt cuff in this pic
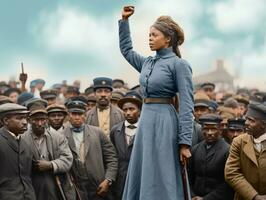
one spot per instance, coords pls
(55, 167)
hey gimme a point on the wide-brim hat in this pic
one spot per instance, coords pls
(132, 97)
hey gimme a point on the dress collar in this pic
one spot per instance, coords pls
(165, 53)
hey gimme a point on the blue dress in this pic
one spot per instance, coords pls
(154, 169)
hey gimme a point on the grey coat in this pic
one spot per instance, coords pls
(116, 116)
(15, 169)
(60, 154)
(100, 160)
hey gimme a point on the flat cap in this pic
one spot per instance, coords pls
(208, 85)
(12, 108)
(48, 94)
(210, 119)
(257, 110)
(56, 108)
(236, 123)
(5, 99)
(201, 99)
(37, 108)
(76, 106)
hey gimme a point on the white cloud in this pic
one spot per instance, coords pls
(236, 16)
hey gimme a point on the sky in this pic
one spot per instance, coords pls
(69, 40)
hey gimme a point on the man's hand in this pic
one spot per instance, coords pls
(185, 154)
(43, 165)
(103, 188)
(127, 12)
(260, 197)
(23, 77)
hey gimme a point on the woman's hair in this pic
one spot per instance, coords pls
(171, 29)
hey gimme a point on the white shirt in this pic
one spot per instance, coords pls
(258, 142)
(130, 133)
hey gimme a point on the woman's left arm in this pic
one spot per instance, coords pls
(184, 85)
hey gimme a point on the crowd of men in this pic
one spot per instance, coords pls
(61, 143)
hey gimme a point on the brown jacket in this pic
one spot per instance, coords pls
(245, 169)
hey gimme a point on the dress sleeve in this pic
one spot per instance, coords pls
(184, 85)
(126, 47)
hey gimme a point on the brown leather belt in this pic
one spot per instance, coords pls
(158, 100)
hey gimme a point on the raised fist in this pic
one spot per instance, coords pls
(127, 11)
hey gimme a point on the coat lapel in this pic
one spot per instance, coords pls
(49, 144)
(248, 149)
(71, 142)
(11, 141)
(87, 140)
(93, 117)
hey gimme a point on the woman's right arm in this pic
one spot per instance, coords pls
(125, 42)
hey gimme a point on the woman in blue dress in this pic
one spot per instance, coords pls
(163, 137)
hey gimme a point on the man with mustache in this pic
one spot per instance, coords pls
(15, 168)
(206, 167)
(245, 168)
(104, 114)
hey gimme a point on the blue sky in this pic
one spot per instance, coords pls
(78, 39)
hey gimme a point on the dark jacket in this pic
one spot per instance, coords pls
(59, 152)
(118, 138)
(197, 135)
(15, 168)
(100, 160)
(206, 171)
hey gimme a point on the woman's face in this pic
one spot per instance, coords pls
(157, 40)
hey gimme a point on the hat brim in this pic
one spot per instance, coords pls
(50, 96)
(201, 104)
(14, 112)
(38, 111)
(76, 110)
(101, 86)
(136, 101)
(56, 110)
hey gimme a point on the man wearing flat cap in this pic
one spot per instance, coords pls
(122, 136)
(56, 117)
(16, 157)
(49, 95)
(245, 168)
(208, 88)
(235, 127)
(52, 158)
(206, 166)
(95, 162)
(104, 115)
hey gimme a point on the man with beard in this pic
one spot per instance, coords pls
(95, 162)
(245, 168)
(104, 114)
(15, 168)
(52, 158)
(56, 117)
(206, 167)
(122, 136)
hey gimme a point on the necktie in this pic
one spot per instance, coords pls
(78, 129)
(131, 126)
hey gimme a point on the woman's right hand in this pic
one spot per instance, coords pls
(127, 12)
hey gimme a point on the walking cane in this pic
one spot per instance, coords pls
(185, 182)
(58, 183)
